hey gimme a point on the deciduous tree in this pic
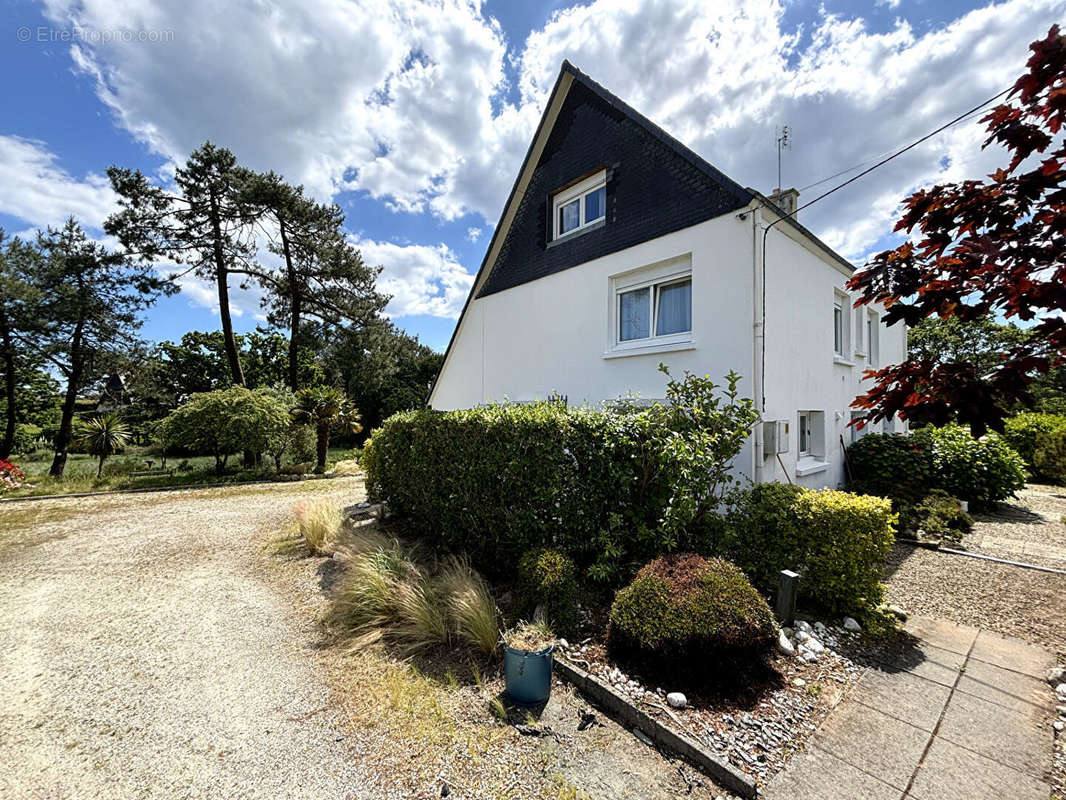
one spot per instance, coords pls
(980, 249)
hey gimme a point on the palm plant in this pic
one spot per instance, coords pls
(325, 408)
(104, 436)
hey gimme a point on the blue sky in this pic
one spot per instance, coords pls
(414, 116)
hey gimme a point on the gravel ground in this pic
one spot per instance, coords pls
(147, 655)
(1010, 600)
(1031, 529)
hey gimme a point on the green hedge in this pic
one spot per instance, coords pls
(838, 542)
(683, 607)
(1030, 431)
(1050, 456)
(497, 481)
(895, 465)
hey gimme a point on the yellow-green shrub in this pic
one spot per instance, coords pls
(836, 540)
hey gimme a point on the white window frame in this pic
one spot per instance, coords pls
(860, 332)
(579, 191)
(873, 338)
(652, 277)
(812, 459)
(841, 342)
(804, 431)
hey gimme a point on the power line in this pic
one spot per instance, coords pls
(896, 154)
(882, 155)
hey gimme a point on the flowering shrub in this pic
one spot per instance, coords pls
(11, 477)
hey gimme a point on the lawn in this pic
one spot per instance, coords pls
(80, 472)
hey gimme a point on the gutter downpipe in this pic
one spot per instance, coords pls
(758, 344)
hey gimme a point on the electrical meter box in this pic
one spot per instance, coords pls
(775, 436)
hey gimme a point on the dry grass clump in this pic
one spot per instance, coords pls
(530, 637)
(346, 468)
(387, 594)
(319, 523)
(471, 608)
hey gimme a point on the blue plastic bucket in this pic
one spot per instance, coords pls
(528, 676)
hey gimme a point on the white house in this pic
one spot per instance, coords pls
(619, 248)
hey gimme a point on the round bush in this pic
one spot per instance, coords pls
(548, 578)
(981, 470)
(1050, 456)
(882, 463)
(684, 606)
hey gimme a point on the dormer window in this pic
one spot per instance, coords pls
(580, 206)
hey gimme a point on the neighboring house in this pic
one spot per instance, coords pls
(619, 248)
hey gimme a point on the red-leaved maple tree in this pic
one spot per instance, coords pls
(983, 249)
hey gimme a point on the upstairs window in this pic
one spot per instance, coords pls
(872, 339)
(580, 206)
(841, 326)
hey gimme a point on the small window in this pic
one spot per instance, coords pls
(580, 206)
(804, 433)
(872, 343)
(810, 436)
(859, 332)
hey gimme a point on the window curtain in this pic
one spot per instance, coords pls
(675, 309)
(634, 313)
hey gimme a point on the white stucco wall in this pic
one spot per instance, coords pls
(554, 335)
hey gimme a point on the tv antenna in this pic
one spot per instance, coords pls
(783, 143)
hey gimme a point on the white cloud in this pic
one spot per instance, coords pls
(38, 191)
(403, 99)
(473, 234)
(422, 279)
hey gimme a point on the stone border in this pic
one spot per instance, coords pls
(604, 696)
(177, 487)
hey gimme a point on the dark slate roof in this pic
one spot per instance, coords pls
(655, 186)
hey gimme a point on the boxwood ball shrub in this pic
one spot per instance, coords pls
(682, 607)
(548, 578)
(837, 541)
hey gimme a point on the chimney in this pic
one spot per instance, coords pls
(786, 199)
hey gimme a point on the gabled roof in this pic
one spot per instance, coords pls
(568, 76)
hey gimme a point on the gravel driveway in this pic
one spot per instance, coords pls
(146, 655)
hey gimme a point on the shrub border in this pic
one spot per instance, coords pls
(604, 696)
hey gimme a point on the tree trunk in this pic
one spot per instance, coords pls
(222, 280)
(8, 443)
(295, 307)
(66, 420)
(322, 447)
(100, 468)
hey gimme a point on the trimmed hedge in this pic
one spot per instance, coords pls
(548, 578)
(684, 606)
(610, 489)
(836, 540)
(497, 481)
(895, 465)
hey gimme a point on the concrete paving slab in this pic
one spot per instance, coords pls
(907, 697)
(1012, 654)
(942, 633)
(950, 772)
(930, 662)
(817, 775)
(1004, 687)
(1019, 740)
(874, 742)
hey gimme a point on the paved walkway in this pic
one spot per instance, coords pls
(965, 715)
